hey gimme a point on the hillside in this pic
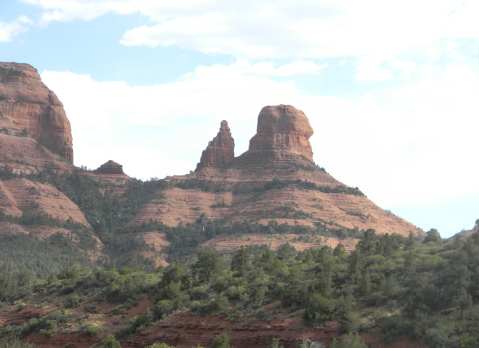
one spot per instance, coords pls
(86, 254)
(273, 188)
(275, 181)
(389, 292)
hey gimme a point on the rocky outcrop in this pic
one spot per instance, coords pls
(220, 151)
(28, 109)
(283, 135)
(110, 168)
(275, 181)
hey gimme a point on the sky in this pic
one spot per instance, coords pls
(390, 87)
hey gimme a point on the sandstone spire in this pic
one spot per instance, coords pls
(220, 150)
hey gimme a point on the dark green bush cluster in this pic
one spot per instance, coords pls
(213, 186)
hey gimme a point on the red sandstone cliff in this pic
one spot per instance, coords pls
(34, 130)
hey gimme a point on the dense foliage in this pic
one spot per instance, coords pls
(427, 290)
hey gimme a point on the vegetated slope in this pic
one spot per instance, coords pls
(390, 292)
(81, 251)
(273, 189)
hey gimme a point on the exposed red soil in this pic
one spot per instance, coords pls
(71, 340)
(16, 317)
(186, 330)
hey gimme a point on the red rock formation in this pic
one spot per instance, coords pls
(282, 135)
(110, 168)
(239, 191)
(220, 151)
(29, 109)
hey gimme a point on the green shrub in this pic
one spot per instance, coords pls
(109, 342)
(307, 343)
(349, 341)
(221, 341)
(276, 343)
(160, 345)
(137, 323)
(44, 326)
(319, 309)
(92, 329)
(14, 343)
(72, 301)
(163, 308)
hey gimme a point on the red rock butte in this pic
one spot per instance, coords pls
(28, 108)
(283, 134)
(225, 187)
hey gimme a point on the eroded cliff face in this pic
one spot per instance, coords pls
(32, 119)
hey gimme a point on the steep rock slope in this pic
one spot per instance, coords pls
(275, 181)
(34, 130)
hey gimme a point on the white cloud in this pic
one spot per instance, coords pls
(299, 29)
(8, 30)
(414, 143)
(110, 118)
